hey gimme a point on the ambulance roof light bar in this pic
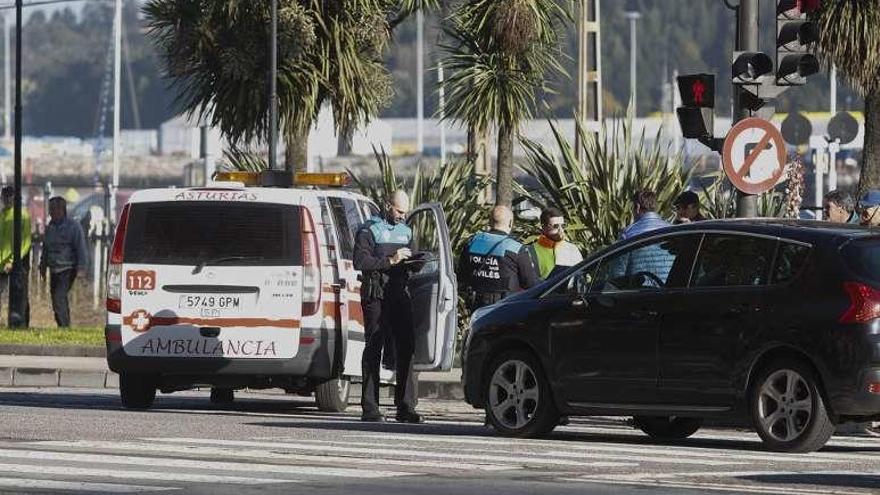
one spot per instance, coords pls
(279, 178)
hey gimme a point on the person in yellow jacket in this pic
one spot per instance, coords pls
(550, 250)
(6, 249)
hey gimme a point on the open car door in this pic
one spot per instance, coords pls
(432, 286)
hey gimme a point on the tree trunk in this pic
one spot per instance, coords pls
(471, 145)
(504, 188)
(343, 142)
(870, 173)
(296, 156)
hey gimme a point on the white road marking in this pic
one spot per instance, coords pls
(660, 458)
(80, 486)
(31, 469)
(724, 487)
(267, 453)
(664, 450)
(198, 464)
(325, 447)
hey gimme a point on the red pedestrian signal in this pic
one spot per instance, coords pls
(697, 90)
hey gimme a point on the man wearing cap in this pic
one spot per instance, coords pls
(869, 212)
(687, 208)
(7, 224)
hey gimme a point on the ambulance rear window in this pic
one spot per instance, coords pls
(193, 232)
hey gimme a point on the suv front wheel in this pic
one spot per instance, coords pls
(788, 410)
(518, 398)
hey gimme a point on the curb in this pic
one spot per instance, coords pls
(35, 376)
(52, 350)
(53, 377)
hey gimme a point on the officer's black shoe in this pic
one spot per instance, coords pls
(374, 417)
(409, 417)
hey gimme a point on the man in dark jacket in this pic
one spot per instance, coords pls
(494, 264)
(64, 255)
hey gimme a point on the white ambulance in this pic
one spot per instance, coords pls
(243, 284)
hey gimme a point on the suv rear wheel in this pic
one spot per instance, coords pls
(332, 396)
(519, 402)
(137, 391)
(787, 408)
(667, 427)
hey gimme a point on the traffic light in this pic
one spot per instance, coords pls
(697, 113)
(795, 35)
(750, 67)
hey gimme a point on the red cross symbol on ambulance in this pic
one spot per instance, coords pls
(140, 321)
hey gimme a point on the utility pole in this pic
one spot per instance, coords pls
(589, 74)
(16, 287)
(273, 88)
(747, 41)
(633, 16)
(420, 82)
(7, 101)
(117, 85)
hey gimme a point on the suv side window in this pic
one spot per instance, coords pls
(347, 220)
(790, 260)
(727, 260)
(655, 265)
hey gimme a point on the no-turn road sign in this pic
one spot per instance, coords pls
(754, 155)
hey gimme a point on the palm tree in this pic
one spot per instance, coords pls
(849, 38)
(499, 55)
(216, 54)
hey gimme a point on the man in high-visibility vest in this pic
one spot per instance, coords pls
(7, 224)
(550, 250)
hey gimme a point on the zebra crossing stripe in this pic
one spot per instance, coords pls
(200, 465)
(31, 469)
(662, 450)
(458, 458)
(523, 457)
(262, 454)
(79, 486)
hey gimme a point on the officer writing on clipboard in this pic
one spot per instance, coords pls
(382, 248)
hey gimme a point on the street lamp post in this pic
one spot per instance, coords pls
(633, 16)
(273, 88)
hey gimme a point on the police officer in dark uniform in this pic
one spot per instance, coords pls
(381, 250)
(494, 264)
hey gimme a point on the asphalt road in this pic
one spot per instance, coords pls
(81, 441)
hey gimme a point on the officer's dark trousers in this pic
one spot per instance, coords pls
(389, 315)
(59, 286)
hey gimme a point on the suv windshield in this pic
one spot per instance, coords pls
(197, 232)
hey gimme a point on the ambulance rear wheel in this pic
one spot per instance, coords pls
(222, 395)
(332, 396)
(137, 391)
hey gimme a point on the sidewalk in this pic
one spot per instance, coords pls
(68, 371)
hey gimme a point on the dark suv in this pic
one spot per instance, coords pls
(771, 320)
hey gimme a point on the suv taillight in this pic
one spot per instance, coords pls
(114, 268)
(311, 288)
(864, 303)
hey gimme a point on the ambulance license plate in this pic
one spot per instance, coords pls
(210, 301)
